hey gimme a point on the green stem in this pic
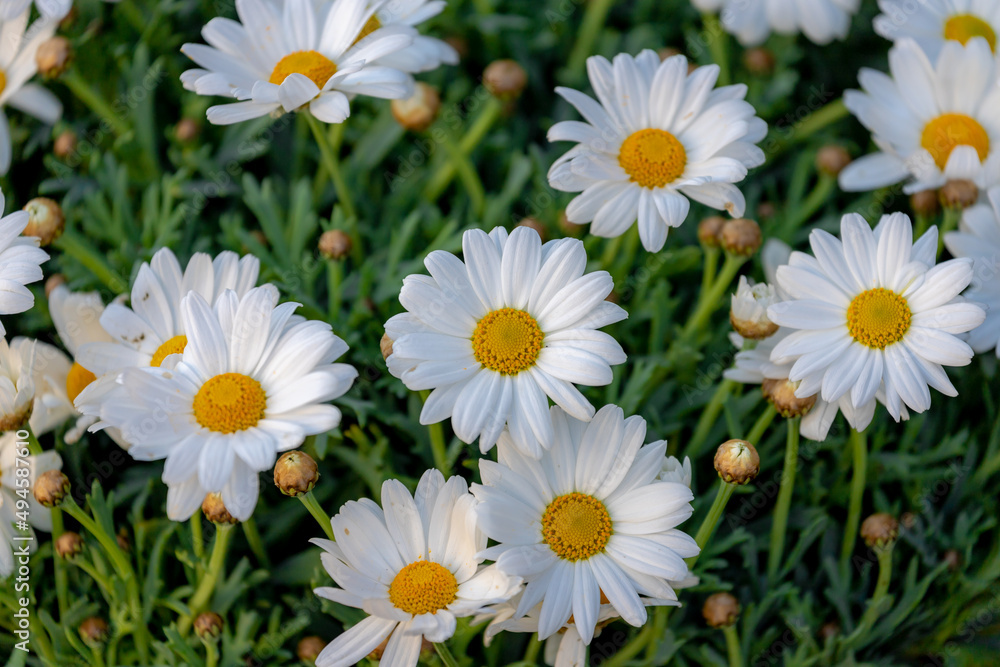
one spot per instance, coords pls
(445, 172)
(197, 540)
(780, 525)
(874, 610)
(74, 245)
(332, 166)
(318, 513)
(40, 639)
(707, 418)
(718, 45)
(633, 648)
(709, 301)
(211, 653)
(206, 587)
(97, 657)
(819, 195)
(256, 544)
(446, 657)
(948, 224)
(591, 26)
(534, 646)
(62, 582)
(439, 450)
(782, 138)
(709, 269)
(80, 87)
(859, 447)
(711, 520)
(467, 174)
(334, 278)
(733, 646)
(765, 419)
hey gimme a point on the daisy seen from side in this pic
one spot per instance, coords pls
(425, 53)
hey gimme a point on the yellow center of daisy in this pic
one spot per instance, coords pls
(175, 345)
(371, 25)
(652, 158)
(311, 64)
(229, 403)
(77, 380)
(576, 526)
(878, 317)
(963, 27)
(507, 341)
(944, 133)
(423, 587)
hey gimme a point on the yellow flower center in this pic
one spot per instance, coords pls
(175, 345)
(371, 26)
(229, 403)
(423, 587)
(576, 526)
(77, 380)
(311, 64)
(944, 133)
(652, 158)
(963, 27)
(878, 318)
(507, 341)
(3, 80)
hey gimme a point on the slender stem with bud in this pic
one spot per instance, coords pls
(876, 604)
(733, 646)
(780, 525)
(760, 426)
(859, 448)
(709, 300)
(206, 587)
(711, 520)
(445, 654)
(332, 165)
(442, 177)
(318, 513)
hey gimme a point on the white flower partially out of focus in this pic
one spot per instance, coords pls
(37, 516)
(932, 23)
(753, 21)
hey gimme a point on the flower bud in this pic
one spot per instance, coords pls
(53, 56)
(831, 159)
(65, 144)
(709, 230)
(740, 236)
(295, 473)
(187, 129)
(94, 631)
(879, 530)
(720, 610)
(215, 510)
(51, 488)
(52, 282)
(417, 112)
(45, 220)
(505, 79)
(953, 559)
(208, 625)
(959, 194)
(748, 311)
(309, 649)
(386, 346)
(737, 461)
(766, 210)
(781, 394)
(69, 544)
(924, 202)
(536, 224)
(829, 630)
(568, 227)
(759, 61)
(335, 244)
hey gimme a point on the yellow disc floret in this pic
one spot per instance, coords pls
(229, 403)
(175, 345)
(423, 587)
(963, 27)
(507, 341)
(576, 526)
(652, 158)
(878, 317)
(944, 133)
(77, 380)
(371, 25)
(311, 64)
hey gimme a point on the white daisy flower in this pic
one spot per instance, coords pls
(20, 261)
(932, 121)
(931, 23)
(282, 56)
(15, 504)
(426, 53)
(154, 327)
(17, 383)
(247, 386)
(657, 138)
(17, 65)
(978, 238)
(592, 519)
(412, 565)
(872, 310)
(753, 21)
(55, 9)
(748, 309)
(493, 336)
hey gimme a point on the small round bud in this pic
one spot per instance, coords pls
(534, 223)
(335, 244)
(740, 236)
(953, 559)
(720, 610)
(94, 631)
(959, 194)
(766, 210)
(45, 220)
(505, 79)
(53, 56)
(124, 543)
(309, 649)
(215, 510)
(52, 282)
(924, 202)
(759, 61)
(69, 544)
(386, 346)
(65, 144)
(417, 112)
(829, 630)
(879, 529)
(831, 159)
(568, 227)
(781, 394)
(208, 625)
(51, 488)
(737, 461)
(187, 129)
(709, 230)
(295, 473)
(748, 310)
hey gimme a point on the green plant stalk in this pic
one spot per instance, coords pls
(718, 45)
(859, 448)
(711, 519)
(709, 269)
(645, 637)
(41, 639)
(708, 416)
(819, 195)
(534, 646)
(760, 426)
(445, 172)
(332, 165)
(709, 301)
(97, 656)
(780, 525)
(874, 609)
(256, 544)
(74, 246)
(334, 278)
(206, 587)
(733, 646)
(949, 223)
(94, 101)
(446, 657)
(197, 540)
(318, 513)
(810, 125)
(101, 580)
(211, 653)
(439, 450)
(467, 174)
(62, 582)
(591, 26)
